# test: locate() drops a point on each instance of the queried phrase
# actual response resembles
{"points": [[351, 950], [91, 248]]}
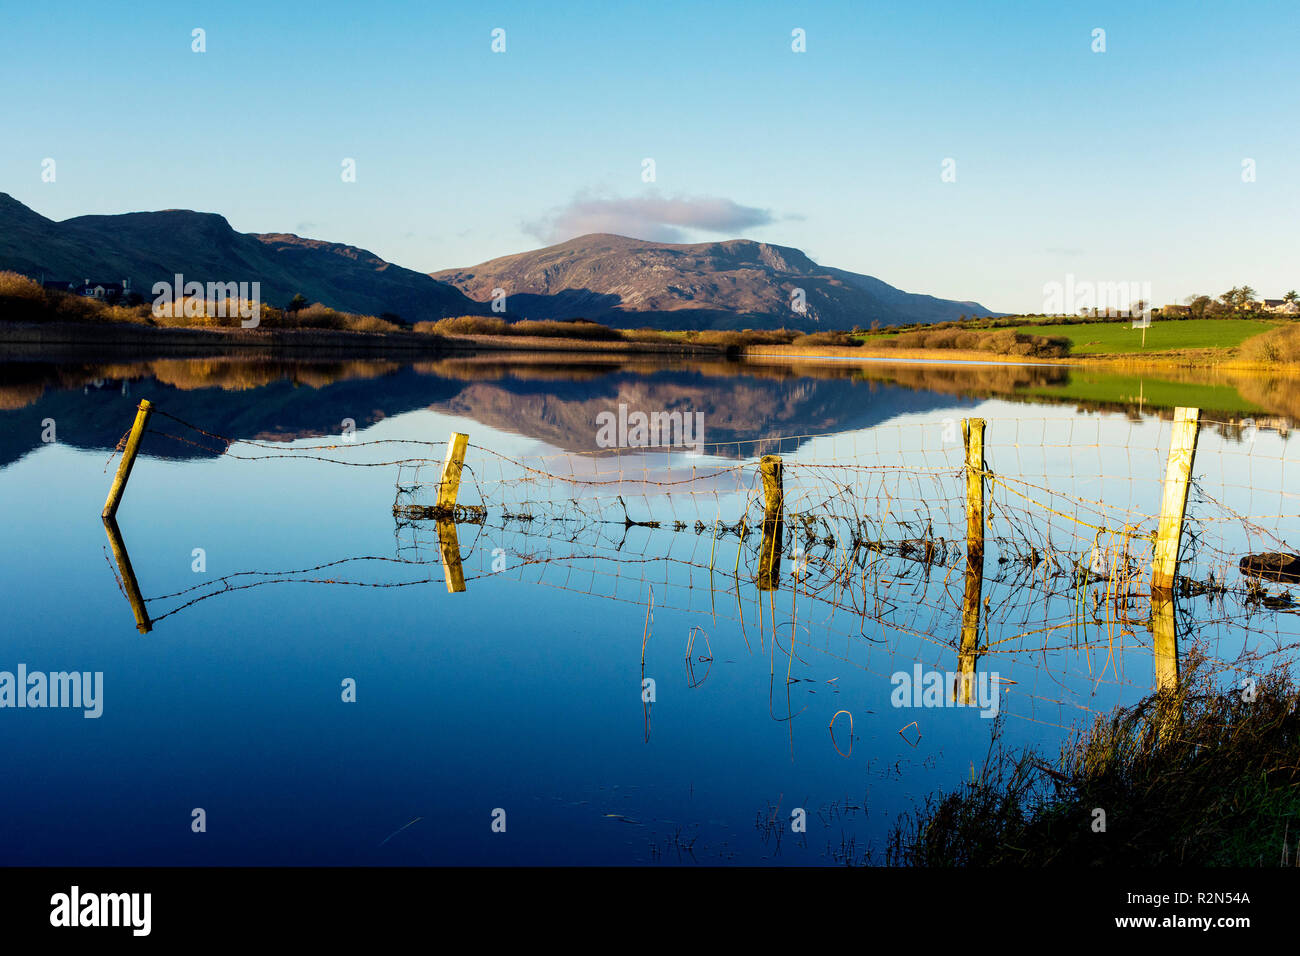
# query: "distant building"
{"points": [[1281, 306], [1174, 310], [106, 291]]}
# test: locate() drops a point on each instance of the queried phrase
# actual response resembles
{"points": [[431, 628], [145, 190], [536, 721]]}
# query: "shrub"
{"points": [[464, 325], [491, 325], [650, 335], [23, 300], [1274, 347], [833, 339], [999, 341], [15, 286], [570, 329], [738, 339]]}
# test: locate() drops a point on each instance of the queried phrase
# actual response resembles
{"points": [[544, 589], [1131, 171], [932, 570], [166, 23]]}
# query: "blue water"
{"points": [[524, 692]]}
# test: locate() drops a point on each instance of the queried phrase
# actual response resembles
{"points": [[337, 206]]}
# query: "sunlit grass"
{"points": [[1120, 338]]}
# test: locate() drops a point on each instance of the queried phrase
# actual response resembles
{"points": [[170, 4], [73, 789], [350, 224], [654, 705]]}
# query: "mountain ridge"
{"points": [[617, 280], [148, 247], [730, 283]]}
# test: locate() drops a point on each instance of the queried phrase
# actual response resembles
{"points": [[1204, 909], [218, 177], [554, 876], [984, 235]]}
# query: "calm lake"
{"points": [[612, 685]]}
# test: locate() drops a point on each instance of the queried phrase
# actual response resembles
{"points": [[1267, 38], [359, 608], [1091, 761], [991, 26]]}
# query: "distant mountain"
{"points": [[734, 284], [148, 247], [611, 279]]}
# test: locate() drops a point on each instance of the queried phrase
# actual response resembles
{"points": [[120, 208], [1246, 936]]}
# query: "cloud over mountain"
{"points": [[654, 218]]}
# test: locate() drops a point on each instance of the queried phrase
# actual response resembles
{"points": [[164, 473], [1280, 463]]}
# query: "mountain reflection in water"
{"points": [[557, 402]]}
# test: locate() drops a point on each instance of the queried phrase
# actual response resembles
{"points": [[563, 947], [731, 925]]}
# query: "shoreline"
{"points": [[1210, 359], [66, 341]]}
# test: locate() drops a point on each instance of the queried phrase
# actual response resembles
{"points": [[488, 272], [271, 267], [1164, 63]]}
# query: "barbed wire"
{"points": [[871, 545]]}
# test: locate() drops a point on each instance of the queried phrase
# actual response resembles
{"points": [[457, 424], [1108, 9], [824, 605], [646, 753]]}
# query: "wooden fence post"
{"points": [[445, 509], [449, 546], [769, 556], [449, 485], [1182, 453], [128, 459], [972, 431], [129, 583], [1165, 654], [968, 650]]}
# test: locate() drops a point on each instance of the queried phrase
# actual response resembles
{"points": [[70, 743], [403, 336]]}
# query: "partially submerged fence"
{"points": [[887, 541]]}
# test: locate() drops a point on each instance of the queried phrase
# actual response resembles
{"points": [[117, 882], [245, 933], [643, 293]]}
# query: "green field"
{"points": [[1104, 387], [1109, 338]]}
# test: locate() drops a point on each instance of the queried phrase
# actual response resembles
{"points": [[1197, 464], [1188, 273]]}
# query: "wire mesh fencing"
{"points": [[867, 558]]}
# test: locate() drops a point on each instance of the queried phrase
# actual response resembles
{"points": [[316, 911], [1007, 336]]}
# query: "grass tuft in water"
{"points": [[1205, 777]]}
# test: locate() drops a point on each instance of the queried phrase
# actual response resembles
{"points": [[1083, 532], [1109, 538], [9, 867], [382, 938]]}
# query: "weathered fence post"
{"points": [[968, 651], [769, 558], [1165, 655], [1182, 453], [128, 459], [449, 484], [129, 583], [449, 546], [448, 490], [972, 430]]}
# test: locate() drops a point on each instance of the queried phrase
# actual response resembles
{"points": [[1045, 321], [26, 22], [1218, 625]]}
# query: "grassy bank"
{"points": [[71, 341], [1240, 341], [1120, 338], [1220, 788], [1228, 342], [1010, 343], [485, 327]]}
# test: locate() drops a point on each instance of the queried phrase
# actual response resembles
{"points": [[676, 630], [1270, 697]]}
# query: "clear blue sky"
{"points": [[1116, 166]]}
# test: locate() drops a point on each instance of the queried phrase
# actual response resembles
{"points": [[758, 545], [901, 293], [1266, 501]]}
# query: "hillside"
{"points": [[615, 280], [148, 247], [734, 284]]}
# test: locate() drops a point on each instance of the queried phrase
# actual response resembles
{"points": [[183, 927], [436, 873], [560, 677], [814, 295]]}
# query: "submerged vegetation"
{"points": [[1206, 776]]}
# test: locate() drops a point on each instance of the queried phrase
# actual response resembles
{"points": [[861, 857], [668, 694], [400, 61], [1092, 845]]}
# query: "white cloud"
{"points": [[655, 218]]}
